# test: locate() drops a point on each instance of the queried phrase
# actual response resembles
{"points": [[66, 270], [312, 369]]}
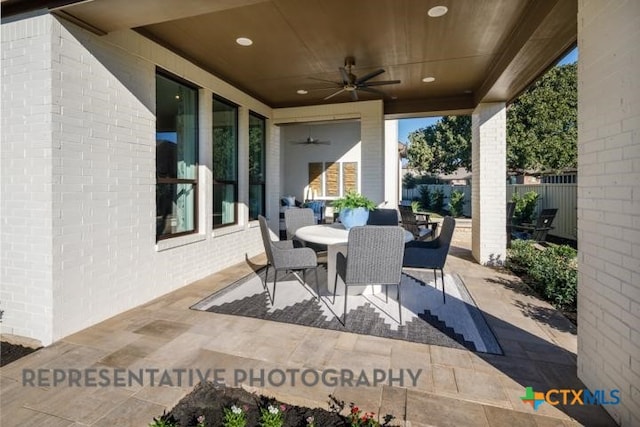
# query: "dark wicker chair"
{"points": [[419, 228], [281, 255], [538, 231], [432, 254], [374, 257], [381, 216]]}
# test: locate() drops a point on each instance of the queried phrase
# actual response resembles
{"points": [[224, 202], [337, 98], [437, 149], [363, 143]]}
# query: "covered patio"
{"points": [[98, 94]]}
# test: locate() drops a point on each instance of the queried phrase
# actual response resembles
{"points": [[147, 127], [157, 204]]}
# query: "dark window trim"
{"points": [[263, 183], [194, 182], [235, 183]]}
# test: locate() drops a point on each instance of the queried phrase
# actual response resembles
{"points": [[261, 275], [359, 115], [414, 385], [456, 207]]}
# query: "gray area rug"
{"points": [[456, 323]]}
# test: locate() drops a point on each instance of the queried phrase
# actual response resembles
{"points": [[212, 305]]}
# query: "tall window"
{"points": [[257, 174], [176, 157], [225, 162]]}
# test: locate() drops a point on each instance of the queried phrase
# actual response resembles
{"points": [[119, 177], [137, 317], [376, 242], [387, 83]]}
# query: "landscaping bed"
{"points": [[215, 405], [11, 352]]}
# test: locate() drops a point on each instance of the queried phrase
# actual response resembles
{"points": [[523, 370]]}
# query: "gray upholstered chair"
{"points": [[380, 216], [374, 257], [432, 254], [281, 255], [296, 218]]}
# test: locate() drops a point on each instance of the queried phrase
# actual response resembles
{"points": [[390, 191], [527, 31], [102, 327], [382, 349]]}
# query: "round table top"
{"points": [[331, 234]]}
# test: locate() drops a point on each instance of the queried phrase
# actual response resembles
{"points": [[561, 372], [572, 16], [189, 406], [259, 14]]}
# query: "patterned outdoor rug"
{"points": [[426, 319]]}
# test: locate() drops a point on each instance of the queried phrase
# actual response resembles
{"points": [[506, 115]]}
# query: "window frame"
{"points": [[263, 183], [237, 149], [194, 182]]}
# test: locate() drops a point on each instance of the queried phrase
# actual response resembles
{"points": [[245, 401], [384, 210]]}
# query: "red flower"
{"points": [[355, 410]]}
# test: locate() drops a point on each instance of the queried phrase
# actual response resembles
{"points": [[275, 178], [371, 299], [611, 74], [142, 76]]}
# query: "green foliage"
{"points": [[409, 181], [552, 272], [437, 201], [542, 127], [164, 420], [442, 147], [542, 130], [416, 206], [456, 203], [234, 417], [525, 206], [353, 200], [425, 198], [272, 416]]}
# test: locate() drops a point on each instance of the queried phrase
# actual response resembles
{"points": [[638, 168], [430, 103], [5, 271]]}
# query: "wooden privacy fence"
{"points": [[564, 197]]}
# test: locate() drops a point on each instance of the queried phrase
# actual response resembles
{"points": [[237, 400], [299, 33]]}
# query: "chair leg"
{"points": [[399, 304], [344, 316], [317, 284], [275, 279], [266, 274], [435, 278], [335, 288], [444, 294], [386, 294]]}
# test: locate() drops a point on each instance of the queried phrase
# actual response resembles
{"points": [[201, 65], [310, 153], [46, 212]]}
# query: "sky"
{"points": [[406, 126]]}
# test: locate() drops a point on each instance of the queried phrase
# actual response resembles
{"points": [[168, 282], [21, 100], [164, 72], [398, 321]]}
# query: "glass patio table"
{"points": [[336, 237]]}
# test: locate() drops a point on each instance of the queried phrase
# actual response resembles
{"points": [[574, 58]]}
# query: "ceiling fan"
{"points": [[352, 84], [311, 141]]}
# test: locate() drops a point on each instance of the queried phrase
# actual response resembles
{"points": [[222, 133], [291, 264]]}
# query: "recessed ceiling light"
{"points": [[429, 79], [437, 11], [244, 41], [301, 92]]}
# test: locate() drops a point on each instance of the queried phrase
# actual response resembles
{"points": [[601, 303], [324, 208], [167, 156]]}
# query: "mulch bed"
{"points": [[209, 400], [12, 352]]}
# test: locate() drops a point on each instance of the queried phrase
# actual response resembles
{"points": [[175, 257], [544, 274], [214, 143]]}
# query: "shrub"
{"points": [[552, 272], [456, 203], [425, 197], [525, 206], [437, 201], [409, 181]]}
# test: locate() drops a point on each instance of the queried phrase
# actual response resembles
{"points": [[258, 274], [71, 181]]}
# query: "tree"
{"points": [[542, 126], [442, 147], [541, 130]]}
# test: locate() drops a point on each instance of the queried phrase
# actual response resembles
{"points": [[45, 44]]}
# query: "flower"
{"points": [[235, 409]]}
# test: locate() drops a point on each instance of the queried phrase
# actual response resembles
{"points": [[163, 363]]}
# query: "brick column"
{"points": [[488, 191]]}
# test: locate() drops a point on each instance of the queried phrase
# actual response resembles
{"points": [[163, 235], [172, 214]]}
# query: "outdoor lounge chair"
{"points": [[419, 228], [432, 254], [538, 231], [374, 257], [281, 255]]}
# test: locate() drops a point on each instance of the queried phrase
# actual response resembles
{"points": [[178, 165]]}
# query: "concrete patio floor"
{"points": [[456, 387]]}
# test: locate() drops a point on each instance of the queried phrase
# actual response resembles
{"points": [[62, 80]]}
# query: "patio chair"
{"points": [[281, 255], [432, 254], [538, 231], [380, 216], [296, 218], [419, 228], [374, 257]]}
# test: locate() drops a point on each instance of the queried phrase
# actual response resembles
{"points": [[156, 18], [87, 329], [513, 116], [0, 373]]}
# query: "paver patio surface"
{"points": [[455, 387]]}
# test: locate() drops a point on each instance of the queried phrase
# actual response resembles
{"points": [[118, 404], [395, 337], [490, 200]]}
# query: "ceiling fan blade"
{"points": [[372, 90], [354, 95], [369, 76], [345, 75], [334, 94], [381, 83], [325, 81]]}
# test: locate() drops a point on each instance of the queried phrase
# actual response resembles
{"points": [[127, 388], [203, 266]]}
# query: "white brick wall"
{"points": [[26, 178], [78, 179], [609, 202], [488, 184]]}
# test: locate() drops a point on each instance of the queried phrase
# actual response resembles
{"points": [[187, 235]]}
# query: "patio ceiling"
{"points": [[480, 51]]}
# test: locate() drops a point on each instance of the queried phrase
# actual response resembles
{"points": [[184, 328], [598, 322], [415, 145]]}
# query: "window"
{"points": [[225, 163], [257, 175], [176, 157], [332, 179]]}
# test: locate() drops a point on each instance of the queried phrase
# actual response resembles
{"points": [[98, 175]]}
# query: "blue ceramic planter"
{"points": [[354, 217]]}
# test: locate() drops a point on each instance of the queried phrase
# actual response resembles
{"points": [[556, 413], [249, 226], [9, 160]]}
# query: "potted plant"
{"points": [[354, 209]]}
